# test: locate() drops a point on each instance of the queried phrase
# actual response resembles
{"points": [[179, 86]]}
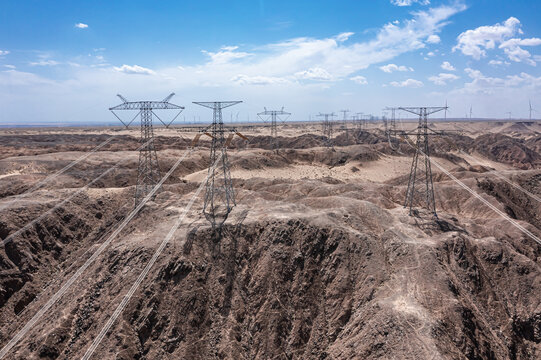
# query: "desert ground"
{"points": [[319, 259]]}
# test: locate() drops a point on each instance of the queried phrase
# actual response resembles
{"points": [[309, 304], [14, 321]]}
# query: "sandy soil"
{"points": [[319, 258]]}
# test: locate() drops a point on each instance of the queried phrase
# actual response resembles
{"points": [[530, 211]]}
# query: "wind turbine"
{"points": [[532, 110], [471, 110]]}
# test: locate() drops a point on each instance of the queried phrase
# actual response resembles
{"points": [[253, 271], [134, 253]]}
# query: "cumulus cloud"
{"points": [[4, 52], [361, 80], [134, 69], [433, 39], [514, 52], [475, 42], [294, 58], [258, 80], [409, 2], [287, 62], [442, 78], [498, 63], [81, 26], [389, 68], [226, 54], [344, 36], [409, 83], [489, 85], [446, 65]]}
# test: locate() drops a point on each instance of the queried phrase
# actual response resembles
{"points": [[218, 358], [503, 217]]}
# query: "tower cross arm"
{"points": [[216, 104], [419, 110], [154, 105]]}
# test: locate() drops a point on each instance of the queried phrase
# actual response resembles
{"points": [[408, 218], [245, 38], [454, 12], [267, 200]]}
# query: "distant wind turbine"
{"points": [[532, 110]]}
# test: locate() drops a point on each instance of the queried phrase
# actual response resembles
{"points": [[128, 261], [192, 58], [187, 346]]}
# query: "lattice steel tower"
{"points": [[148, 173], [345, 122], [274, 115], [219, 192], [327, 127], [420, 185]]}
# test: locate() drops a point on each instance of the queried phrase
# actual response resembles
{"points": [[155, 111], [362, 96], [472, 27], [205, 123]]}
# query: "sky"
{"points": [[63, 62]]}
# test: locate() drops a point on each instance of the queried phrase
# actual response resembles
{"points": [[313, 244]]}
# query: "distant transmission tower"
{"points": [[420, 185], [274, 115], [219, 193], [148, 173], [327, 127], [345, 122], [390, 128]]}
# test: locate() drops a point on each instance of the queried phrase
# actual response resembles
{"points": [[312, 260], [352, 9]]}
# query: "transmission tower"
{"points": [[345, 122], [219, 192], [390, 128], [274, 115], [327, 127], [420, 185], [148, 173]]}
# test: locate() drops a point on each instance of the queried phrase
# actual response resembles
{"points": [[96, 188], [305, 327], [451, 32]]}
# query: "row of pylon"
{"points": [[219, 192]]}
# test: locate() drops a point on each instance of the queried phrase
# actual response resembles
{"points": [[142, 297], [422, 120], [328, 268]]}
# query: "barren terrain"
{"points": [[318, 260]]}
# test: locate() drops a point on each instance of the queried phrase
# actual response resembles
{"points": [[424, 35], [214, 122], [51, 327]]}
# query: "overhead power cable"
{"points": [[43, 310], [58, 173], [48, 212], [147, 268]]}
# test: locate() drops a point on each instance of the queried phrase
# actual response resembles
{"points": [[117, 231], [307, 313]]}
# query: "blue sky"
{"points": [[64, 61]]}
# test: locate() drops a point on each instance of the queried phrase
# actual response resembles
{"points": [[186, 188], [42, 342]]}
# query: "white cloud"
{"points": [[443, 78], [344, 36], [431, 54], [316, 73], [44, 62], [433, 39], [489, 85], [81, 26], [389, 68], [258, 80], [361, 80], [4, 52], [446, 65], [226, 54], [514, 52], [409, 2], [498, 63], [10, 66], [410, 83], [277, 66], [134, 69], [475, 42]]}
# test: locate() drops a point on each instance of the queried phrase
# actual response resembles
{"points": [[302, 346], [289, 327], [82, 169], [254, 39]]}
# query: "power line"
{"points": [[146, 269], [80, 190], [30, 324], [58, 173]]}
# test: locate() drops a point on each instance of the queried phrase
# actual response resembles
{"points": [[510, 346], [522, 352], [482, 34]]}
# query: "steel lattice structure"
{"points": [[421, 178], [148, 173], [345, 122], [274, 115], [327, 127], [390, 128], [219, 192]]}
